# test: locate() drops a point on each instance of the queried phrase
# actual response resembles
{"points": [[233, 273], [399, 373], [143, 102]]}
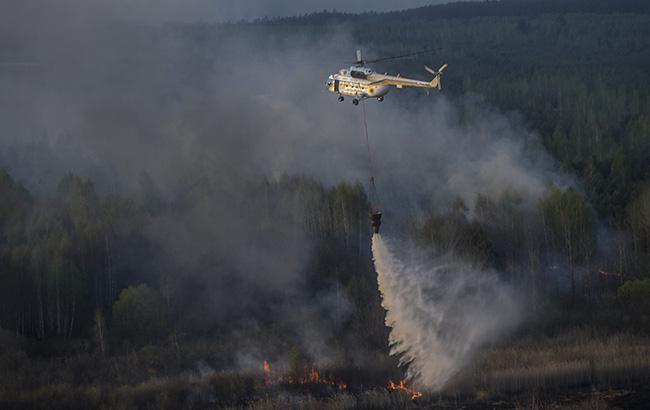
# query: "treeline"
{"points": [[474, 9], [548, 250], [502, 8], [57, 257], [81, 264], [554, 251]]}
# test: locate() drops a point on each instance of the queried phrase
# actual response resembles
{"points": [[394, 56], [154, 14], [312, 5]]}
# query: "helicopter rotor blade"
{"points": [[399, 56]]}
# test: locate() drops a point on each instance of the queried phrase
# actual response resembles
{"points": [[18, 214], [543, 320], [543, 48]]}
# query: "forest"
{"points": [[180, 296]]}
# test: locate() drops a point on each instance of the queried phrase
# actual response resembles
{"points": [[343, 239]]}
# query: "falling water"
{"points": [[439, 313]]}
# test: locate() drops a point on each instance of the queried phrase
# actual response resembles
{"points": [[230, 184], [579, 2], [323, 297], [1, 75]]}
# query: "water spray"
{"points": [[440, 312]]}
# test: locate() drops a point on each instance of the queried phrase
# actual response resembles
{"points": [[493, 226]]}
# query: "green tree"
{"points": [[139, 315], [14, 200], [637, 218], [570, 223], [455, 235], [100, 331], [634, 295]]}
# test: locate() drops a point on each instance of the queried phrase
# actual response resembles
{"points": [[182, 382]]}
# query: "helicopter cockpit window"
{"points": [[357, 74]]}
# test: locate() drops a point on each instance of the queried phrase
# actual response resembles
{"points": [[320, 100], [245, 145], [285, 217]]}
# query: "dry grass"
{"points": [[577, 358], [577, 370], [373, 399]]}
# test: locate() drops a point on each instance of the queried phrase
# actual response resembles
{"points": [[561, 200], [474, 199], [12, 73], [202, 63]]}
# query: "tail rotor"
{"points": [[435, 83]]}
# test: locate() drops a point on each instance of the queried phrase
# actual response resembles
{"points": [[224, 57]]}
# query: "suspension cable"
{"points": [[374, 197]]}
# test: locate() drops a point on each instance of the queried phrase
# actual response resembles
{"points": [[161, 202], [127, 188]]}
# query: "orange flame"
{"points": [[313, 377], [267, 372], [403, 387]]}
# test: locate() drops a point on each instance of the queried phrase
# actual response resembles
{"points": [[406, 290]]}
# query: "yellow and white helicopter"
{"points": [[361, 82]]}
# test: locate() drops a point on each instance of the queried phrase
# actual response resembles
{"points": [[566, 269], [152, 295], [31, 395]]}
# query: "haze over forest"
{"points": [[184, 206]]}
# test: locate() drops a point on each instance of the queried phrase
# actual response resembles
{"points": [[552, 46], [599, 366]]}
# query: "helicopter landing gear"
{"points": [[355, 101], [341, 98], [380, 99]]}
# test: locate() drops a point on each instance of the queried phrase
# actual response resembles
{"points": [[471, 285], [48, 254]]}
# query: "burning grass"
{"points": [[312, 377], [578, 369], [402, 387], [272, 387]]}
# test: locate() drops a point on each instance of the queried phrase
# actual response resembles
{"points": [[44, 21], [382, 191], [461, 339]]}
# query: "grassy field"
{"points": [[576, 358], [578, 369]]}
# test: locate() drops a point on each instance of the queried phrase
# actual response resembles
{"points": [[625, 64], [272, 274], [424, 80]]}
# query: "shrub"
{"points": [[634, 295], [139, 315]]}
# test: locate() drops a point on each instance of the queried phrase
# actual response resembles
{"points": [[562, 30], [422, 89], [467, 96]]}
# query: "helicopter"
{"points": [[361, 82]]}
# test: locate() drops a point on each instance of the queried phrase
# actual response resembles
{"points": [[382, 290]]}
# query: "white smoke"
{"points": [[439, 313]]}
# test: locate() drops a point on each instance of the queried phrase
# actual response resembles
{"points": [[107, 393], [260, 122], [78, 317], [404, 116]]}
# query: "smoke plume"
{"points": [[200, 114], [439, 312]]}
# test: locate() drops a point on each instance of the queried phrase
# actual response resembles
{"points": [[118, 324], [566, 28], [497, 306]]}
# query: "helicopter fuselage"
{"points": [[361, 82], [358, 84]]}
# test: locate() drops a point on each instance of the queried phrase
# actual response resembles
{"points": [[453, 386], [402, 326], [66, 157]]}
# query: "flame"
{"points": [[392, 386], [267, 372], [312, 377]]}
